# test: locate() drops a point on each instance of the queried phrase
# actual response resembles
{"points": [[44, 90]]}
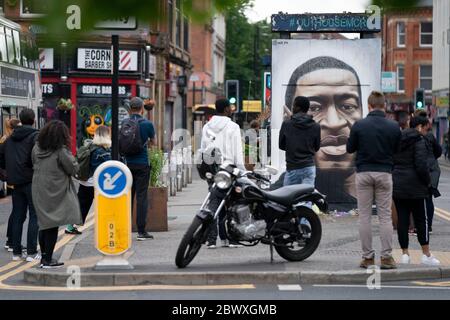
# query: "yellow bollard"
{"points": [[112, 205]]}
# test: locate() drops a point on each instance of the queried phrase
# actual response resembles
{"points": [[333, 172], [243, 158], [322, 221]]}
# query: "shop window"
{"points": [[401, 34], [426, 34], [400, 78], [426, 77]]}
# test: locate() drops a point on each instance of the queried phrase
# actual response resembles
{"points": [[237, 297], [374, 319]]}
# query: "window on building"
{"points": [[178, 18], [32, 7], [426, 76], [400, 78], [401, 34], [186, 34], [171, 20], [426, 34], [17, 51], [10, 45], [2, 5], [25, 51], [3, 48]]}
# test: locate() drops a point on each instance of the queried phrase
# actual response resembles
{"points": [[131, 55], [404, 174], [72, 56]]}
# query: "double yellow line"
{"points": [[442, 213], [16, 267], [12, 265]]}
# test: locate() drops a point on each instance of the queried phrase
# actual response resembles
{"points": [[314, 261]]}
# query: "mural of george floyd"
{"points": [[337, 76]]}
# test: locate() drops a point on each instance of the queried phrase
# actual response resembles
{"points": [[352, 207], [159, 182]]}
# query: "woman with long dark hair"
{"points": [[100, 152], [54, 194], [411, 179]]}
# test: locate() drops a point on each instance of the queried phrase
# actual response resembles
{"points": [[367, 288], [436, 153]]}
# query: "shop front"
{"points": [[87, 82]]}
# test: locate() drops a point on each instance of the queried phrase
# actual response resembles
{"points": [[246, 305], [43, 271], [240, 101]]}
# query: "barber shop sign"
{"points": [[101, 59]]}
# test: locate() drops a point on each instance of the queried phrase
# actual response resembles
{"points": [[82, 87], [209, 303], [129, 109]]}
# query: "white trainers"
{"points": [[211, 246], [430, 261], [405, 259], [36, 257], [18, 257]]}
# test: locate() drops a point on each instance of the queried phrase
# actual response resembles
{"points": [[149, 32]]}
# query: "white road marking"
{"points": [[289, 287]]}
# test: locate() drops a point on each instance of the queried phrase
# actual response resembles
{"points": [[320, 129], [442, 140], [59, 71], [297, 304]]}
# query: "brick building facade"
{"points": [[407, 50]]}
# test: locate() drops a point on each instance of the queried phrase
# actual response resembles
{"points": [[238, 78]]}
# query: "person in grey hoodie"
{"points": [[300, 138], [54, 194]]}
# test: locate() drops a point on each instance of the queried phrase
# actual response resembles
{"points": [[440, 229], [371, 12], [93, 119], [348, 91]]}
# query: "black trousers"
{"points": [[9, 229], [141, 180], [47, 242], [214, 203], [85, 198], [419, 212], [430, 211], [22, 203]]}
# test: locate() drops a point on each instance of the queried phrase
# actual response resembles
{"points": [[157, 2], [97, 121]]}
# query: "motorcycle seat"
{"points": [[287, 195]]}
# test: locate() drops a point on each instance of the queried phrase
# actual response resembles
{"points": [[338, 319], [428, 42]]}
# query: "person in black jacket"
{"points": [[412, 181], [300, 138], [16, 159], [434, 152]]}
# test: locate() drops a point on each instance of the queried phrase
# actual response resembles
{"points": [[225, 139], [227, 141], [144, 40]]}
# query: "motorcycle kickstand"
{"points": [[271, 249]]}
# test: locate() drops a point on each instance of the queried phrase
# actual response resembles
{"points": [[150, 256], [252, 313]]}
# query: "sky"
{"points": [[263, 9]]}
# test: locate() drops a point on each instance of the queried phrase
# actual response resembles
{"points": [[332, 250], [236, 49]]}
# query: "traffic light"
{"points": [[420, 98], [232, 92]]}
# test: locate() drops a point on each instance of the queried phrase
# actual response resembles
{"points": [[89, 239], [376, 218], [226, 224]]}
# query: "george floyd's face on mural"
{"points": [[335, 97]]}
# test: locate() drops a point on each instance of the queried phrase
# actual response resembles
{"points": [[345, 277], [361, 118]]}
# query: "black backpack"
{"points": [[208, 161], [130, 140]]}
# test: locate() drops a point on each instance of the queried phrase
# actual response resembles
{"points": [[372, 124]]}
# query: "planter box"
{"points": [[156, 212]]}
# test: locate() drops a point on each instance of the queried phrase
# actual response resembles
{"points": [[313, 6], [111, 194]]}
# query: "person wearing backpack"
{"points": [[134, 137], [89, 157]]}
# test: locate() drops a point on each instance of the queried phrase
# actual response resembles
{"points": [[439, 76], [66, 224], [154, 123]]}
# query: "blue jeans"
{"points": [[22, 202], [300, 176]]}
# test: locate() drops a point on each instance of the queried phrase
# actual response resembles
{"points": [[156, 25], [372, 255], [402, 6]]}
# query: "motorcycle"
{"points": [[282, 219]]}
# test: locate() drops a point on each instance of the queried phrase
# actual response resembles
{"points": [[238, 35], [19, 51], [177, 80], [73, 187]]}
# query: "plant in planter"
{"points": [[157, 195], [65, 104]]}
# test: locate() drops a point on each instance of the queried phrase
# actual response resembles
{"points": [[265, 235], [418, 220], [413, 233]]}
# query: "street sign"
{"points": [[267, 89], [124, 23], [327, 22], [251, 106], [389, 81], [112, 183]]}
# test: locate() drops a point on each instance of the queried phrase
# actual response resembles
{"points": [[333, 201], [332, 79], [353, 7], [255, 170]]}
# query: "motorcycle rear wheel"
{"points": [[191, 243], [291, 254]]}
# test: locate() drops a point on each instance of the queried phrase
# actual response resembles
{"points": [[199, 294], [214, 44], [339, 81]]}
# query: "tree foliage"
{"points": [[240, 50], [391, 5]]}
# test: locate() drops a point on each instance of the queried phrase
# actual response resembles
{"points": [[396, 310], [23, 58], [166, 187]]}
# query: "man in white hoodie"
{"points": [[226, 136]]}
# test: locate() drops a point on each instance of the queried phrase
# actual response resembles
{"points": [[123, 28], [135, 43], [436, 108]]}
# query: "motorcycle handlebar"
{"points": [[259, 177]]}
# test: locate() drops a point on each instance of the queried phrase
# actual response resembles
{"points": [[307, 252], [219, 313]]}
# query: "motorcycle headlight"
{"points": [[222, 180]]}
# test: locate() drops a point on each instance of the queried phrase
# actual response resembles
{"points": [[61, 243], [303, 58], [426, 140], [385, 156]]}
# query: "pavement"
{"points": [[335, 261]]}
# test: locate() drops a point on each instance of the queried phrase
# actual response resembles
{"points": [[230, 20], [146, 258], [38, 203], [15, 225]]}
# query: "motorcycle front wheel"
{"points": [[300, 248], [191, 242]]}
